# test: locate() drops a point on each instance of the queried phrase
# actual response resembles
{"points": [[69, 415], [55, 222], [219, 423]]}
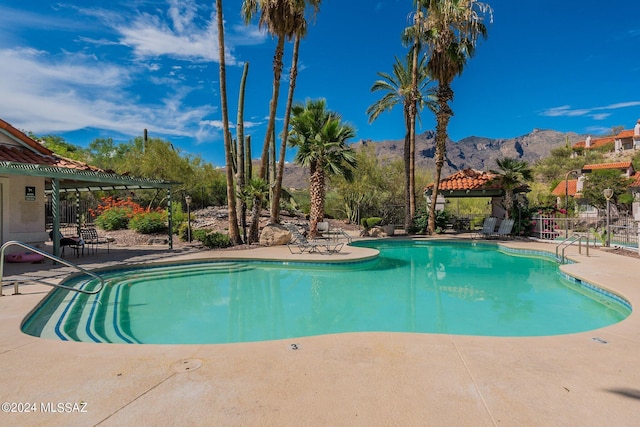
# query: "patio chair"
{"points": [[300, 244], [488, 227], [91, 238], [505, 229], [75, 243]]}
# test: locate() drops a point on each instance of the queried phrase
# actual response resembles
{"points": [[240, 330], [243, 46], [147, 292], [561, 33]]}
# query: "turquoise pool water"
{"points": [[435, 287]]}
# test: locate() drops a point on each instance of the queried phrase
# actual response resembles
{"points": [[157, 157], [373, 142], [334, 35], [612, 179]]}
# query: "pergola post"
{"points": [[55, 211], [170, 218]]}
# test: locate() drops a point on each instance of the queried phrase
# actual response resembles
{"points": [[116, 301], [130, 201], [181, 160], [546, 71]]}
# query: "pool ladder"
{"points": [[568, 242], [51, 257]]}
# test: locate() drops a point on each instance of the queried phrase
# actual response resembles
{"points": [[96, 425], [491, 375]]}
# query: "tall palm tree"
{"points": [[234, 231], [301, 31], [412, 36], [320, 137], [512, 174], [451, 29], [399, 89], [283, 19]]}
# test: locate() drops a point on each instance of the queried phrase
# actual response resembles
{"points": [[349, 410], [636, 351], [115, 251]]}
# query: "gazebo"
{"points": [[473, 183]]}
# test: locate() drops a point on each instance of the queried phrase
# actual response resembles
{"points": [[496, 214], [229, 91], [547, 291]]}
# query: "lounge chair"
{"points": [[299, 243], [488, 227], [332, 237], [505, 229], [91, 238]]}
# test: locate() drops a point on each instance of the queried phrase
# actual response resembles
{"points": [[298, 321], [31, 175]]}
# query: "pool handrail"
{"points": [[16, 291], [568, 242]]}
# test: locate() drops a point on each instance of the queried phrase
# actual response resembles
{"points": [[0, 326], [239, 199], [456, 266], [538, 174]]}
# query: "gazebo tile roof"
{"points": [[468, 179]]}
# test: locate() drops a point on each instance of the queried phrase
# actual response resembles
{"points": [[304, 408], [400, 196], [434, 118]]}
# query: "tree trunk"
{"points": [[234, 232], [406, 157], [445, 94], [413, 112], [293, 75], [316, 194], [273, 107]]}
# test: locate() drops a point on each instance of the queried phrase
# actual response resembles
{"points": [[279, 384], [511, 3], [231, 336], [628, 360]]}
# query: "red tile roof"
{"points": [[572, 188], [12, 153], [625, 134], [617, 165], [23, 138], [595, 142], [32, 152], [636, 180], [468, 179]]}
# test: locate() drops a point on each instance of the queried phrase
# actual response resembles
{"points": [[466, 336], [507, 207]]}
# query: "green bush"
{"points": [[216, 240], [183, 234], [148, 222], [369, 223], [421, 222], [116, 218]]}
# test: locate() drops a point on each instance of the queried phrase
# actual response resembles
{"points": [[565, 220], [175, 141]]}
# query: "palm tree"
{"points": [[451, 29], [512, 174], [234, 231], [284, 19], [300, 30], [320, 137], [399, 90]]}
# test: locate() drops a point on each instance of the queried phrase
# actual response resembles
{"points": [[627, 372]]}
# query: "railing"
{"points": [[568, 242], [624, 229], [51, 257]]}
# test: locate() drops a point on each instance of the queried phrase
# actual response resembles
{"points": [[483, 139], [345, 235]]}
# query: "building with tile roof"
{"points": [[573, 187], [30, 173], [628, 139]]}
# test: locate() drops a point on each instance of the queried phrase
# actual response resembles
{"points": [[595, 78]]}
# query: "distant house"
{"points": [[626, 168], [628, 139], [31, 173], [573, 187]]}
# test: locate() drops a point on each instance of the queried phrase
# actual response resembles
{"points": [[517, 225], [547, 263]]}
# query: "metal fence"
{"points": [[623, 228], [72, 213]]}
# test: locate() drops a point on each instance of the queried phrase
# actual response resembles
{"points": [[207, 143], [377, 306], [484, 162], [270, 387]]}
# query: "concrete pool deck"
{"points": [[381, 379]]}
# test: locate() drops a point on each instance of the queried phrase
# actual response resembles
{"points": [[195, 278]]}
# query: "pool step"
{"points": [[98, 319]]}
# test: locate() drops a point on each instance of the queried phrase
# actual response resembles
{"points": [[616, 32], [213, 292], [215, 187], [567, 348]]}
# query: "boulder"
{"points": [[274, 235], [381, 231]]}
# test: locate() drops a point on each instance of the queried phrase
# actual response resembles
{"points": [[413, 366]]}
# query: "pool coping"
{"points": [[588, 378]]}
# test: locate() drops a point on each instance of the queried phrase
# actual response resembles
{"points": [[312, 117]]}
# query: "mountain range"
{"points": [[471, 152]]}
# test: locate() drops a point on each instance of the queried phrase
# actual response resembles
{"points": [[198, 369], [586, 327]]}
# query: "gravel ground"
{"points": [[212, 218]]}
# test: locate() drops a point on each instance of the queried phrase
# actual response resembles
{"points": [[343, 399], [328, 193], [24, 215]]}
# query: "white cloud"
{"points": [[567, 111], [71, 92]]}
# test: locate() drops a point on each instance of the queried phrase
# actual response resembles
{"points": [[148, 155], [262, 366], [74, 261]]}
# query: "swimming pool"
{"points": [[412, 286]]}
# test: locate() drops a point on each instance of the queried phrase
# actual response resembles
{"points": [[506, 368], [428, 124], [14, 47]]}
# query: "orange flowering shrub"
{"points": [[114, 213]]}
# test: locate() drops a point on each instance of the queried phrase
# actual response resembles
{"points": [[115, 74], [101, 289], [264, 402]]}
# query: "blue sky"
{"points": [[87, 69]]}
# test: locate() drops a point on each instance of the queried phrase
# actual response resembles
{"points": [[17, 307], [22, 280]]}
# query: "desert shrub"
{"points": [[371, 222], [216, 240], [113, 213], [211, 239], [421, 222], [116, 218], [148, 222]]}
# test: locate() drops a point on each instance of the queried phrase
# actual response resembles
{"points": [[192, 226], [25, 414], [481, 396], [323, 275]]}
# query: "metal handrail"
{"points": [[568, 242], [51, 257]]}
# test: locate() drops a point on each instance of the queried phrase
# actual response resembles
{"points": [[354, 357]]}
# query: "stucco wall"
{"points": [[23, 219]]}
